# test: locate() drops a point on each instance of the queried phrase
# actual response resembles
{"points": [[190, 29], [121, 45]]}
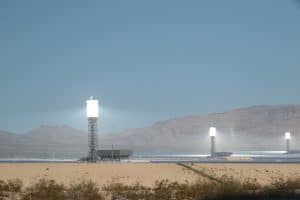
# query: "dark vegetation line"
{"points": [[200, 172], [227, 188]]}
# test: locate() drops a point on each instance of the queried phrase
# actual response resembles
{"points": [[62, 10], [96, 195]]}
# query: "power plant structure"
{"points": [[114, 154], [212, 134], [95, 153], [213, 153], [92, 111], [288, 138]]}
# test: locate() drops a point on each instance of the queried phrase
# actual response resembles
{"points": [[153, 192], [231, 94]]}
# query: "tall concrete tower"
{"points": [[212, 134], [92, 111], [288, 138]]}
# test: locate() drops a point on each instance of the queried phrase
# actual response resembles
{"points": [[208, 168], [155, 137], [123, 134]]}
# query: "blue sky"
{"points": [[145, 60]]}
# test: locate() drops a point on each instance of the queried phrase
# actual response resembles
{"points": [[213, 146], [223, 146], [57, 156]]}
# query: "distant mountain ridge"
{"points": [[252, 128], [44, 142]]}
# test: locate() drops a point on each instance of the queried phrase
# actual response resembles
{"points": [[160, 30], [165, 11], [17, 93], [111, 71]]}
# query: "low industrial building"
{"points": [[114, 154]]}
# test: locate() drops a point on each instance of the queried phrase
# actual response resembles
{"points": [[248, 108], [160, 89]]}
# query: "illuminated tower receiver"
{"points": [[212, 134], [92, 111]]}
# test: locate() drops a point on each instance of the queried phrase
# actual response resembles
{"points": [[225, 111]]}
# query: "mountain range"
{"points": [[244, 129]]}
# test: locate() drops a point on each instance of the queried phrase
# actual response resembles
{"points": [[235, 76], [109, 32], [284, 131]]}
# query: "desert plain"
{"points": [[144, 173]]}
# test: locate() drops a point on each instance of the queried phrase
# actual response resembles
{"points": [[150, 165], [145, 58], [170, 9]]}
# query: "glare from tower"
{"points": [[212, 132], [92, 108], [287, 135], [92, 111]]}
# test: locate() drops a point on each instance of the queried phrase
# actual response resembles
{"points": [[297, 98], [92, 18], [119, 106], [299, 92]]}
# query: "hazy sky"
{"points": [[145, 60]]}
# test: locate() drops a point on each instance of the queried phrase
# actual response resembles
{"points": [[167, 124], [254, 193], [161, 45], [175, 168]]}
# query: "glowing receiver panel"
{"points": [[92, 108], [212, 131], [287, 135]]}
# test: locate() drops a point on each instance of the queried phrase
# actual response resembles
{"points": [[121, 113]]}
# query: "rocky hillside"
{"points": [[44, 142], [253, 128]]}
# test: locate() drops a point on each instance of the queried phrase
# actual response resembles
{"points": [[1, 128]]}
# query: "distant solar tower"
{"points": [[212, 134], [287, 138], [92, 111]]}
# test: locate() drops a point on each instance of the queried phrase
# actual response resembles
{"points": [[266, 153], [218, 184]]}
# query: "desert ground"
{"points": [[145, 173]]}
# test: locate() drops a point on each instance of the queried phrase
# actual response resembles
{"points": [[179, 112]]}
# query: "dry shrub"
{"points": [[45, 189], [4, 189], [284, 188], [15, 188], [85, 190], [230, 188], [164, 190], [225, 188], [11, 189], [132, 192]]}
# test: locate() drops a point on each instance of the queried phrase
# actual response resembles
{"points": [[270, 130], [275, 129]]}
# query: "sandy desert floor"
{"points": [[145, 173], [263, 173]]}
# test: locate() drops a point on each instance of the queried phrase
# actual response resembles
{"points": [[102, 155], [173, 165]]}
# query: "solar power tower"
{"points": [[92, 111]]}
